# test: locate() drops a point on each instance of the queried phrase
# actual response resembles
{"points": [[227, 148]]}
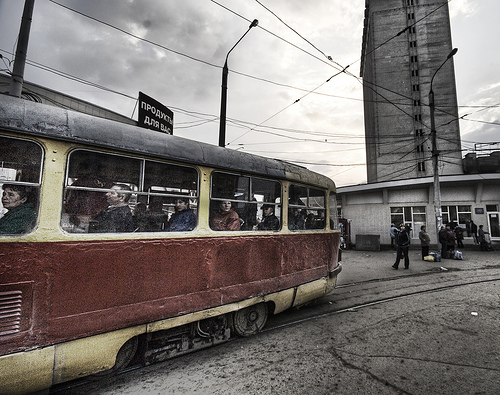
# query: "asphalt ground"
{"points": [[436, 331], [360, 266]]}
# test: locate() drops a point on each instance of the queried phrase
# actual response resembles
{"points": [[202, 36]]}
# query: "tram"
{"points": [[118, 242]]}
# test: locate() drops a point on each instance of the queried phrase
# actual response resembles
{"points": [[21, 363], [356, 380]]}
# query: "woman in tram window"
{"points": [[225, 218], [21, 217]]}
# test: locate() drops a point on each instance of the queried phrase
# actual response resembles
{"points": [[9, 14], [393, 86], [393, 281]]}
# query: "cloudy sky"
{"points": [[287, 96]]}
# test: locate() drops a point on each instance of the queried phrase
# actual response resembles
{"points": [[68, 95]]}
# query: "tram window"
{"points": [[150, 190], [90, 178], [20, 175], [171, 199], [306, 208], [242, 198]]}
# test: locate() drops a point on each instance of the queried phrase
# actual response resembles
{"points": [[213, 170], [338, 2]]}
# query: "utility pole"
{"points": [[435, 156], [16, 85]]}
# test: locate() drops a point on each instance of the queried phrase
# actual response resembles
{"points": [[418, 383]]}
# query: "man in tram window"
{"points": [[184, 218], [21, 215], [296, 219], [117, 217], [269, 221]]}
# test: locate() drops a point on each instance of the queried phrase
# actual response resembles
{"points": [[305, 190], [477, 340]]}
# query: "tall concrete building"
{"points": [[404, 44]]}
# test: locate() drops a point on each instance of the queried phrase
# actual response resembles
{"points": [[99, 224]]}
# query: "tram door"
{"points": [[494, 225]]}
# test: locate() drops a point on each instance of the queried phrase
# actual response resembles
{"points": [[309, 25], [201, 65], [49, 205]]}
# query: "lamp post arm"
{"points": [[223, 100]]}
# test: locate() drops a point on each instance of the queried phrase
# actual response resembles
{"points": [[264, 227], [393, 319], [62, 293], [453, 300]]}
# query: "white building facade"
{"points": [[371, 208]]}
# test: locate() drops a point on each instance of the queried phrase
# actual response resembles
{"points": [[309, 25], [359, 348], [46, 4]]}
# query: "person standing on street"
{"points": [[425, 241], [473, 231], [443, 239], [403, 247]]}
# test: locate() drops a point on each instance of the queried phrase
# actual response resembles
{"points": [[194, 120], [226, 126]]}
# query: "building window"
{"points": [[492, 208], [461, 215], [418, 117], [413, 59], [421, 165], [411, 16], [419, 132], [416, 103], [412, 217], [413, 44], [414, 73], [416, 88]]}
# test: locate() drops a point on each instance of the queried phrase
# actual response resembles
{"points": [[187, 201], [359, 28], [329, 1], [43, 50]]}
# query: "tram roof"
{"points": [[42, 120]]}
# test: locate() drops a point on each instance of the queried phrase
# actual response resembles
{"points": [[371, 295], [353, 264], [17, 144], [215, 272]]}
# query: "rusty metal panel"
{"points": [[85, 288]]}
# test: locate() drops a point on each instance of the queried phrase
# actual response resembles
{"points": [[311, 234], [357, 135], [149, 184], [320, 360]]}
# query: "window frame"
{"points": [[248, 225], [307, 207], [35, 184], [138, 191]]}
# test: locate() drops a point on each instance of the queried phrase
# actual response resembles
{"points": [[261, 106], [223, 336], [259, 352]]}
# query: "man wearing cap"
{"points": [[269, 221]]}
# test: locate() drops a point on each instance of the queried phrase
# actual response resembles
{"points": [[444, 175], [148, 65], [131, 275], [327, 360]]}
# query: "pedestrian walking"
{"points": [[403, 240], [425, 241]]}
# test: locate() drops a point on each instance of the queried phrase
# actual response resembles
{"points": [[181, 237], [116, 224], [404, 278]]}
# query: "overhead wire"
{"points": [[208, 63]]}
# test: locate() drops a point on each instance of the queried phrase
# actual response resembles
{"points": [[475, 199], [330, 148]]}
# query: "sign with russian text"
{"points": [[154, 115]]}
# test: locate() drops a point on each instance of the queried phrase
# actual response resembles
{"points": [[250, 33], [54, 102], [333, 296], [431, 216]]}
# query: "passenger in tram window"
{"points": [[21, 217], [310, 221], [117, 217], [184, 218], [156, 219], [140, 217], [225, 218], [83, 205], [315, 221], [296, 220], [249, 215], [269, 221]]}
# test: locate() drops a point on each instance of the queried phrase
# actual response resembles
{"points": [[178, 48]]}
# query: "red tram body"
{"points": [[71, 301]]}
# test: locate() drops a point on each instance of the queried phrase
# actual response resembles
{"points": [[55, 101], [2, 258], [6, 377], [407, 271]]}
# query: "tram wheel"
{"points": [[250, 320], [123, 358]]}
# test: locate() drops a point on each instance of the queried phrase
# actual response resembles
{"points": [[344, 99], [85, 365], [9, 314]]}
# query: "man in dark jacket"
{"points": [[117, 217], [443, 240], [269, 220], [403, 247], [425, 241]]}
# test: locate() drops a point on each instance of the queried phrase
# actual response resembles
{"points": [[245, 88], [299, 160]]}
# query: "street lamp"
{"points": [[435, 153], [223, 100]]}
